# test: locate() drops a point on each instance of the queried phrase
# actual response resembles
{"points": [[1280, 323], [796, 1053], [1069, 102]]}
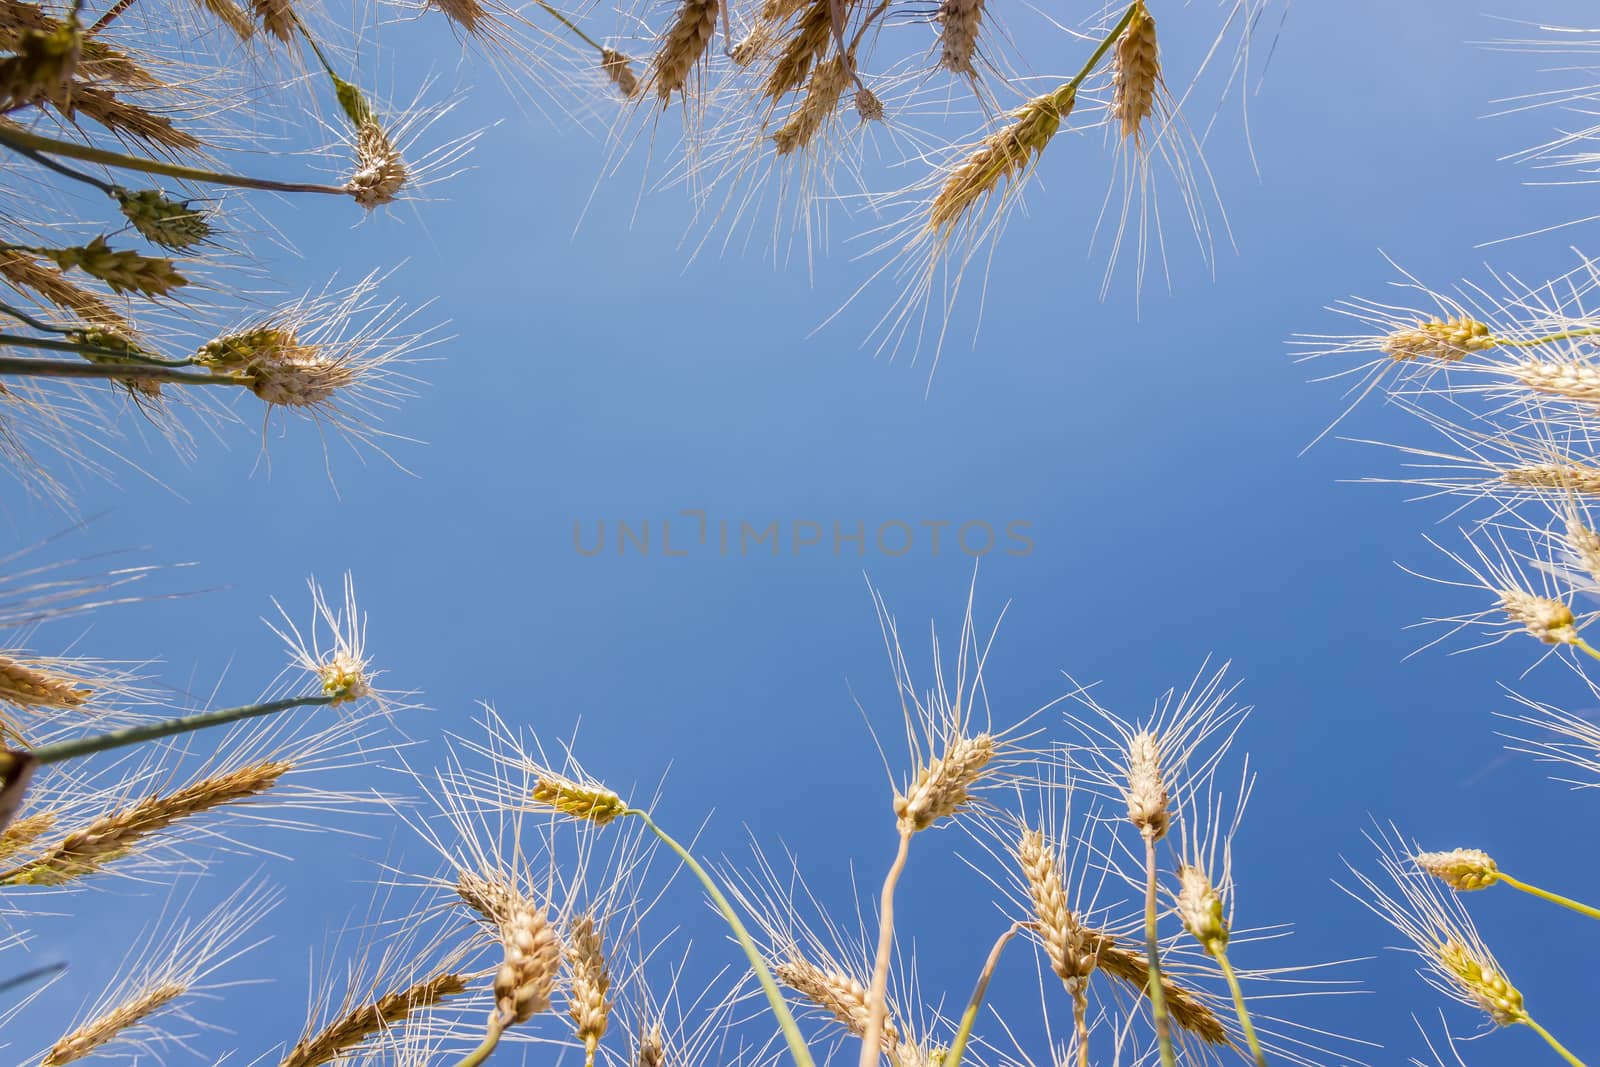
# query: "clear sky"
{"points": [[593, 376]]}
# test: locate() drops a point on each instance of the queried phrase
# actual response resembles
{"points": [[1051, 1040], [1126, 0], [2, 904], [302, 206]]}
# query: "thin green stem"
{"points": [[1066, 93], [300, 25], [78, 747], [1564, 335], [57, 368], [878, 989], [70, 172], [1545, 894], [958, 1047], [109, 17], [791, 1030], [1152, 949], [1238, 1006], [351, 102], [80, 347], [569, 24], [1105, 46], [28, 320], [19, 140], [1584, 646], [1553, 1043], [491, 1040]]}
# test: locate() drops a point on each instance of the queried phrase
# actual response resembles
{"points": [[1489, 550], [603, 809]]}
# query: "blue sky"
{"points": [[592, 376]]}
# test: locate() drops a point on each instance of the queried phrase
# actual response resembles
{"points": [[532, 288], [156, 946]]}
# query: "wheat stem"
{"points": [[1080, 1022], [1239, 1008], [19, 140], [56, 368], [66, 171], [968, 1017], [28, 320], [878, 989], [791, 1030], [1104, 47], [569, 24], [109, 17], [1545, 894], [1564, 335], [133, 735], [1553, 1043], [1152, 948], [80, 347], [491, 1041], [1582, 645]]}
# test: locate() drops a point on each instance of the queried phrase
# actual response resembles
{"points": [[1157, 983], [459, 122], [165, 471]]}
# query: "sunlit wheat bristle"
{"points": [[348, 1032], [683, 46], [999, 159], [1464, 869], [944, 785], [87, 1038], [1448, 340], [1135, 74]]}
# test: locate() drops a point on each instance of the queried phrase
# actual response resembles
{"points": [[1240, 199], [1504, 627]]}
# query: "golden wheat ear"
{"points": [[164, 976]]}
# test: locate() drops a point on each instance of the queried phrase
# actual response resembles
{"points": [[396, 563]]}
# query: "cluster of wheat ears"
{"points": [[131, 145]]}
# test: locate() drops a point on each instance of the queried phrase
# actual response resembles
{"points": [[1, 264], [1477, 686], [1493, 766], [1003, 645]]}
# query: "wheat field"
{"points": [[742, 532]]}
